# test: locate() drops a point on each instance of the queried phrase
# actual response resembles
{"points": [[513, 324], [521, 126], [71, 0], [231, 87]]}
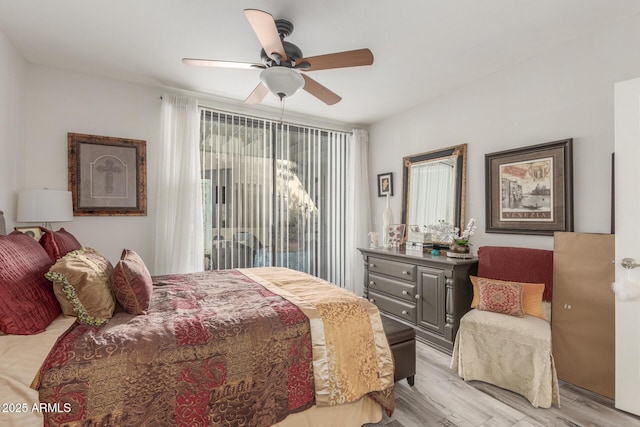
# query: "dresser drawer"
{"points": [[392, 268], [392, 306], [397, 288]]}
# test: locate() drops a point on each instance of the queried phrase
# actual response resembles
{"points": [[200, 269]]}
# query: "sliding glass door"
{"points": [[273, 195], [237, 186]]}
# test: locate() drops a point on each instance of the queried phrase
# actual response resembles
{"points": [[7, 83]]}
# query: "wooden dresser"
{"points": [[430, 293]]}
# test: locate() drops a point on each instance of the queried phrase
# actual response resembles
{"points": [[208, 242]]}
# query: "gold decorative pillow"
{"points": [[503, 298], [81, 283], [531, 295]]}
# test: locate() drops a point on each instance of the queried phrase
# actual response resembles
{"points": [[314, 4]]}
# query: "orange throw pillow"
{"points": [[531, 295]]}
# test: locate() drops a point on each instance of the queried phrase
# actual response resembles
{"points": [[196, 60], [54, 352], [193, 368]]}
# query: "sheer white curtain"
{"points": [[357, 209], [436, 181], [179, 224]]}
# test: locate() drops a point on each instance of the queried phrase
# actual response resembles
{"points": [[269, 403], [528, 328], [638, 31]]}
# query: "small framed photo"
{"points": [[385, 184], [530, 189], [413, 233], [34, 232], [396, 234], [414, 228]]}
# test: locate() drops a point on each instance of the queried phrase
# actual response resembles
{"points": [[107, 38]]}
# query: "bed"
{"points": [[258, 346]]}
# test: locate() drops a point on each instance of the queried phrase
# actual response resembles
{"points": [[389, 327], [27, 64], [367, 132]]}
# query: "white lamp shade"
{"points": [[282, 81], [45, 206]]}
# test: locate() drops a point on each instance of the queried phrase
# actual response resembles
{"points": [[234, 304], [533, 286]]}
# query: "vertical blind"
{"points": [[274, 194]]}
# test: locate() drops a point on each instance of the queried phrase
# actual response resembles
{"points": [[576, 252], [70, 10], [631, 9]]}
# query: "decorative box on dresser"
{"points": [[430, 293]]}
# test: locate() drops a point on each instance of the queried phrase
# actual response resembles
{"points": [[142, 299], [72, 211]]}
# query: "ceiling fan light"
{"points": [[281, 81]]}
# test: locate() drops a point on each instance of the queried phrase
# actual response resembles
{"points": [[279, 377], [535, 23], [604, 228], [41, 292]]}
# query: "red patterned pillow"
{"points": [[531, 295], [27, 302], [131, 282], [58, 243], [501, 297]]}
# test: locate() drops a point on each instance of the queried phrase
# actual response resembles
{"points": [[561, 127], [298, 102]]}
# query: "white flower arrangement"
{"points": [[463, 239]]}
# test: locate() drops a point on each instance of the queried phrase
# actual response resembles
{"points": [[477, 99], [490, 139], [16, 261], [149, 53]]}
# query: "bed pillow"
{"points": [[82, 284], [531, 295], [505, 298], [58, 243], [27, 302], [131, 282]]}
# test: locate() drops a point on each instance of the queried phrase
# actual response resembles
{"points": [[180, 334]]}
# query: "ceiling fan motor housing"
{"points": [[285, 28], [293, 52]]}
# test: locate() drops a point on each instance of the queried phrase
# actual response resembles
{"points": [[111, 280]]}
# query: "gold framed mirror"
{"points": [[433, 187]]}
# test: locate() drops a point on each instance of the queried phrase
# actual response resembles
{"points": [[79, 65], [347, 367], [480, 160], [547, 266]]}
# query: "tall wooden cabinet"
{"points": [[583, 310], [430, 293]]}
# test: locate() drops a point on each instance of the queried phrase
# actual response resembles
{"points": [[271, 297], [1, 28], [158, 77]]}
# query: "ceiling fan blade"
{"points": [[319, 91], [265, 28], [223, 64], [351, 58], [257, 95]]}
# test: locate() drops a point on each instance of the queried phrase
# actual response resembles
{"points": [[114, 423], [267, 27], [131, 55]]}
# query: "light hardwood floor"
{"points": [[441, 398]]}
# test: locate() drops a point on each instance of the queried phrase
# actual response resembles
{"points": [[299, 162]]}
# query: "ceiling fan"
{"points": [[282, 61]]}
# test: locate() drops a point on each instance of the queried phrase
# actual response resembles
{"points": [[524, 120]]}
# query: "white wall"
{"points": [[12, 70], [567, 93], [58, 102]]}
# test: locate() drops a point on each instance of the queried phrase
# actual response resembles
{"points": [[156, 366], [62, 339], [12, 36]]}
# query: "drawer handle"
{"points": [[372, 283], [406, 273], [404, 312], [417, 296], [405, 293], [372, 300], [372, 265]]}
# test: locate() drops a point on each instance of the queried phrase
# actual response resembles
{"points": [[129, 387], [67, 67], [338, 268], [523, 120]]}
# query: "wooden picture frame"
{"points": [[107, 175], [385, 184], [32, 231], [529, 190]]}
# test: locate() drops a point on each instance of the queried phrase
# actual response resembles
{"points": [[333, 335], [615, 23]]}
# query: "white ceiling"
{"points": [[422, 48]]}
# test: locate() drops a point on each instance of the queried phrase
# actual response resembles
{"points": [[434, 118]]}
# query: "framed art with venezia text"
{"points": [[107, 175], [529, 190]]}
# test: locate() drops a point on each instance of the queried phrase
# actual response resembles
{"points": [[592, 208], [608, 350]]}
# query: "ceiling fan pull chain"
{"points": [[281, 110]]}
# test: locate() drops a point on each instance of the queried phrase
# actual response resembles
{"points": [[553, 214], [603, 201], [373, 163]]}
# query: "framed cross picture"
{"points": [[107, 176]]}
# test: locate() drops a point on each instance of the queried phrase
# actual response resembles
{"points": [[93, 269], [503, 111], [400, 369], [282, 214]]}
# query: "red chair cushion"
{"points": [[518, 265]]}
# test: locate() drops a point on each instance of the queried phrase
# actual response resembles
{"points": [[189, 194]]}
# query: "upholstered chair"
{"points": [[503, 344]]}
